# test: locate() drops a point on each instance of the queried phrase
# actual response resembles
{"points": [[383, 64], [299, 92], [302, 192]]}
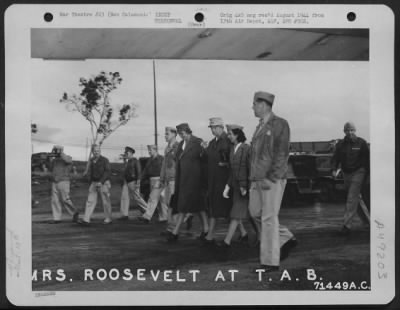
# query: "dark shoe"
{"points": [[223, 245], [202, 236], [54, 222], [344, 231], [268, 268], [189, 222], [123, 218], [287, 247], [171, 238], [83, 223], [75, 217], [244, 239], [143, 220]]}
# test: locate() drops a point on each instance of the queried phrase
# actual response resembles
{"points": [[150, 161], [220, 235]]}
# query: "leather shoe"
{"points": [[171, 238], [54, 222], [143, 220], [83, 223], [244, 239], [75, 217], [202, 236], [287, 247]]}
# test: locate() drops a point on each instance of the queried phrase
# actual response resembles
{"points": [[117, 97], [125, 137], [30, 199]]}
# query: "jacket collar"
{"points": [[266, 126]]}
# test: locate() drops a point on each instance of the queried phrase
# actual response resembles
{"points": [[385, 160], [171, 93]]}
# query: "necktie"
{"points": [[259, 126]]}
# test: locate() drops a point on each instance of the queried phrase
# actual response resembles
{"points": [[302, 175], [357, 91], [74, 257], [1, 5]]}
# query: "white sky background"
{"points": [[316, 97]]}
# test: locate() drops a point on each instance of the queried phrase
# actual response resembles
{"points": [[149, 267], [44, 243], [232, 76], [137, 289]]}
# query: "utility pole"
{"points": [[155, 105]]}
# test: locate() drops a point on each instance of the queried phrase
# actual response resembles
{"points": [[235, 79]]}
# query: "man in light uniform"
{"points": [[131, 186], [268, 167], [152, 171], [167, 177], [99, 177], [60, 172]]}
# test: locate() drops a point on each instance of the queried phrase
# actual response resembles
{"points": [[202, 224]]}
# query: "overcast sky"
{"points": [[316, 97]]}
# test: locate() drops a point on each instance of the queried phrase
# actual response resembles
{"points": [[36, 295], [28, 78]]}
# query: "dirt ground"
{"points": [[115, 254]]}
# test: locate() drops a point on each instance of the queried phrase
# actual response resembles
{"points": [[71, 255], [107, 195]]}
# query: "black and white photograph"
{"points": [[207, 159]]}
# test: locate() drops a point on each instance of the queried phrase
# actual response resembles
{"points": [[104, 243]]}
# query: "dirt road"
{"points": [[114, 255]]}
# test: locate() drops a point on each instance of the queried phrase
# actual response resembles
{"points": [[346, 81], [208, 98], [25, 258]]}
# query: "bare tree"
{"points": [[94, 104]]}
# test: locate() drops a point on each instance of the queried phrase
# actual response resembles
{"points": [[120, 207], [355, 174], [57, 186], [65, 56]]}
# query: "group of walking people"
{"points": [[223, 178]]}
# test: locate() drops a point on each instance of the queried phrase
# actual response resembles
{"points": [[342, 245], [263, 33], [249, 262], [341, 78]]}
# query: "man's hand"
{"points": [[335, 173], [225, 194], [99, 185], [243, 191], [265, 184], [204, 144]]}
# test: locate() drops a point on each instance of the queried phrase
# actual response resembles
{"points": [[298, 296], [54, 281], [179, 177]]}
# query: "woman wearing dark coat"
{"points": [[217, 157], [238, 183], [189, 185]]}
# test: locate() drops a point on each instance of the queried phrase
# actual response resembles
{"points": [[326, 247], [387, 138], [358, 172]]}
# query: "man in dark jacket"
{"points": [[151, 173], [131, 185], [352, 155], [99, 177], [217, 156]]}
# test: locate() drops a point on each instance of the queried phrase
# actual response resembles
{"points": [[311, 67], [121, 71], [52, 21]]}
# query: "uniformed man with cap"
{"points": [[167, 176], [99, 173], [352, 156], [131, 185], [268, 167], [60, 173], [152, 172]]}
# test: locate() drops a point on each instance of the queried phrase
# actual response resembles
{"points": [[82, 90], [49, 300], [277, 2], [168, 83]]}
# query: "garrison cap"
{"points": [[262, 95]]}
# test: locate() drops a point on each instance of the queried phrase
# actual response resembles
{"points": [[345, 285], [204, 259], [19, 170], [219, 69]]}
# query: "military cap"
{"points": [[152, 147], [129, 149], [216, 121], [171, 129], [262, 95]]}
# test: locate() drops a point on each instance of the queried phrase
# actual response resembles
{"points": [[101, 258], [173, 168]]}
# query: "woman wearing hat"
{"points": [[237, 183], [189, 183]]}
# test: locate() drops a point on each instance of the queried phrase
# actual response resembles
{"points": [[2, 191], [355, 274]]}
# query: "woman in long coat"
{"points": [[238, 183], [189, 185], [217, 153]]}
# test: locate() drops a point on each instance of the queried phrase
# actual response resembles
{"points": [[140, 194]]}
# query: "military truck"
{"points": [[310, 173]]}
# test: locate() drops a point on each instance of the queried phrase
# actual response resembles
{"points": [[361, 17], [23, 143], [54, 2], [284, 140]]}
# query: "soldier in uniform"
{"points": [[268, 166], [60, 173], [168, 170], [98, 175], [352, 155], [131, 184], [152, 172]]}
